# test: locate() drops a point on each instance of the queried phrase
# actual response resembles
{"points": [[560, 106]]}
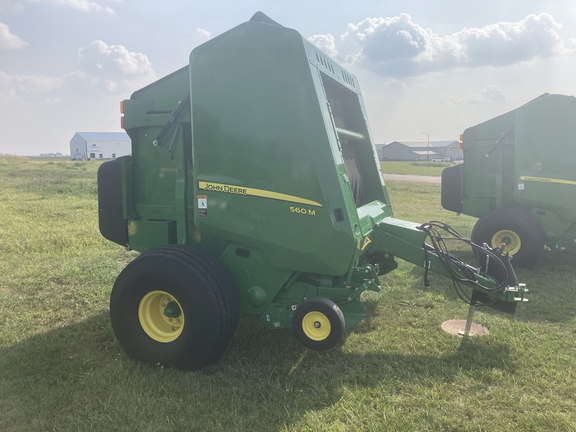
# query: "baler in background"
{"points": [[254, 186], [519, 178]]}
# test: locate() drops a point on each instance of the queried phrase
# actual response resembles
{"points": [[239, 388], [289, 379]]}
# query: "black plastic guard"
{"points": [[110, 203], [451, 198]]}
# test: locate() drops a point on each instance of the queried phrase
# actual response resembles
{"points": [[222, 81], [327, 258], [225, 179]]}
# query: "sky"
{"points": [[424, 66]]}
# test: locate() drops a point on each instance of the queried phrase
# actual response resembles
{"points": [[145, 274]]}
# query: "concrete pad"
{"points": [[454, 326]]}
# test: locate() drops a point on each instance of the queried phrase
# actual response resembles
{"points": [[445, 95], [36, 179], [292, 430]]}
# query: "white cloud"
{"points": [[81, 5], [9, 40], [325, 43], [10, 6], [493, 93], [399, 47], [204, 34], [14, 6], [507, 43], [28, 88], [104, 70], [110, 69], [396, 84], [489, 94]]}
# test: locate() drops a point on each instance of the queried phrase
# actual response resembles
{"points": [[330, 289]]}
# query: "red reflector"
{"points": [[122, 122], [460, 146]]}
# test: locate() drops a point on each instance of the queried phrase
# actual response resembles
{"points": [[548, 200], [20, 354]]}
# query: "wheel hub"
{"points": [[510, 239], [161, 316], [316, 326], [172, 310]]}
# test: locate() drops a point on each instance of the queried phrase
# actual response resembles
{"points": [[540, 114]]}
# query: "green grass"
{"points": [[61, 368], [415, 168]]}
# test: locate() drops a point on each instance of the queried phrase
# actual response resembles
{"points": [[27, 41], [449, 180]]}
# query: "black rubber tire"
{"points": [[330, 311], [524, 226], [205, 291]]}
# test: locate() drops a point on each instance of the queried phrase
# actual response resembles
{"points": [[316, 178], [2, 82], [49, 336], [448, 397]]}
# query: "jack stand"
{"points": [[454, 326], [466, 331]]}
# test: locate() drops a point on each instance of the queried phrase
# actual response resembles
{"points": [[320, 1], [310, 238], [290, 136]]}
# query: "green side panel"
{"points": [[281, 148], [553, 226], [156, 169], [145, 235], [354, 312], [484, 147], [257, 281], [566, 242], [546, 154]]}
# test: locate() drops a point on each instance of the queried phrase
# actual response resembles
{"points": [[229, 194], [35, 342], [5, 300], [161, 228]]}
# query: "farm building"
{"points": [[420, 150], [99, 145]]}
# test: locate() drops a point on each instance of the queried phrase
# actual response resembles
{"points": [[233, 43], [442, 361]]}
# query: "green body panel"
{"points": [[274, 134], [484, 166], [260, 153], [143, 232], [252, 270], [524, 159]]}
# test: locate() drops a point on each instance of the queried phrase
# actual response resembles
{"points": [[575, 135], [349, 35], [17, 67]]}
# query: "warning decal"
{"points": [[202, 206]]}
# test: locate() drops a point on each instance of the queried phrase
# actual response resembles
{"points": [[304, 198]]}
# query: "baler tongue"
{"points": [[504, 273], [493, 281]]}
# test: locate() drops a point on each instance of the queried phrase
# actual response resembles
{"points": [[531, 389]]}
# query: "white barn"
{"points": [[99, 145]]}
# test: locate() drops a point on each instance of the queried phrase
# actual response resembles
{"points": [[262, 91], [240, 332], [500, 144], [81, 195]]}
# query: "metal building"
{"points": [[99, 145], [421, 150]]}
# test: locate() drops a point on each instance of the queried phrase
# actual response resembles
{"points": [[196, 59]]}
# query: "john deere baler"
{"points": [[519, 179], [254, 186]]}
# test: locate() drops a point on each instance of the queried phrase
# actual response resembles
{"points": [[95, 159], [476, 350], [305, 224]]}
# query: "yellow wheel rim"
{"points": [[316, 326], [161, 316], [510, 238]]}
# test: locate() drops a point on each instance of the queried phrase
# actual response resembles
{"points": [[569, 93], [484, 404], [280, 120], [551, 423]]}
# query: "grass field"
{"points": [[61, 368]]}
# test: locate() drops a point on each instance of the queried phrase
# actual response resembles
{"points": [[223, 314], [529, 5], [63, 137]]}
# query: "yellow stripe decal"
{"points": [[547, 180], [241, 190]]}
